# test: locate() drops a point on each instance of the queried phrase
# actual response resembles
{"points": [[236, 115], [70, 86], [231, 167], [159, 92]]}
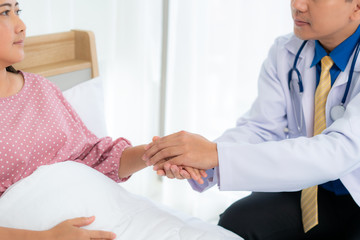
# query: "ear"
{"points": [[355, 16]]}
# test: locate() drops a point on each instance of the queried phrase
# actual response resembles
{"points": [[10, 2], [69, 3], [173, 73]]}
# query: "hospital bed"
{"points": [[66, 58], [66, 190]]}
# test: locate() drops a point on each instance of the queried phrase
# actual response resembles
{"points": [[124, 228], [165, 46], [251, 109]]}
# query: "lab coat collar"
{"points": [[343, 76], [293, 44]]}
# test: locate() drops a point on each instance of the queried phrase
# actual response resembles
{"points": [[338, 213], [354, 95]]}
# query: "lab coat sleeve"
{"points": [[209, 181], [293, 164]]}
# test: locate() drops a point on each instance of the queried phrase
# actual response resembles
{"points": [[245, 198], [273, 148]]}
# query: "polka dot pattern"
{"points": [[39, 127]]}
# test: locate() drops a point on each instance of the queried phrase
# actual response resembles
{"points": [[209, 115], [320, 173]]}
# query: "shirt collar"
{"points": [[341, 54]]}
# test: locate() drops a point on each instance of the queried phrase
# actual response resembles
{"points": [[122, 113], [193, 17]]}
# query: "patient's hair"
{"points": [[11, 69]]}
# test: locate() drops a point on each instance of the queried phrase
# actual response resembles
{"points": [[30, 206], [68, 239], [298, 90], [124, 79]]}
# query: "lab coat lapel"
{"points": [[338, 89], [337, 92], [309, 82], [344, 76], [308, 78]]}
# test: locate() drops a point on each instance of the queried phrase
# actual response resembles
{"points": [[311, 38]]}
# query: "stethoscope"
{"points": [[336, 112]]}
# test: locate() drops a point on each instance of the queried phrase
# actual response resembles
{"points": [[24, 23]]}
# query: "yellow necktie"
{"points": [[309, 205]]}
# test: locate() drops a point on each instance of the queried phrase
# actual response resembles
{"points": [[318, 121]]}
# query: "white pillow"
{"points": [[88, 101], [69, 189]]}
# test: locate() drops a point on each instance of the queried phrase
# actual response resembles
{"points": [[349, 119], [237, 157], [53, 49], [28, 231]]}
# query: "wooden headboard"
{"points": [[66, 58]]}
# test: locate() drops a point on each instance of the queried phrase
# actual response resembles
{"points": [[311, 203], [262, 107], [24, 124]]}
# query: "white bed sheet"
{"points": [[66, 190]]}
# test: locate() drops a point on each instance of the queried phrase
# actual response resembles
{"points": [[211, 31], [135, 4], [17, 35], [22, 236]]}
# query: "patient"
{"points": [[39, 127]]}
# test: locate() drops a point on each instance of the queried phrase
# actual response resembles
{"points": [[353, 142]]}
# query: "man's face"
{"points": [[329, 21]]}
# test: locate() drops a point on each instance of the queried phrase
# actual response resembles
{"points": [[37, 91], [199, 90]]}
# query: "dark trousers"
{"points": [[270, 216]]}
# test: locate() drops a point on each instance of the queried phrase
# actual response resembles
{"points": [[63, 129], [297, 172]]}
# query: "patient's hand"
{"points": [[182, 172], [71, 230]]}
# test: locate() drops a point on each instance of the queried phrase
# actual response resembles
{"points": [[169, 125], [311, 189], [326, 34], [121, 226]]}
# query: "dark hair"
{"points": [[11, 69]]}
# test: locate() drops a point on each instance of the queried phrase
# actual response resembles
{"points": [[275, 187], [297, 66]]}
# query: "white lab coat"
{"points": [[257, 155]]}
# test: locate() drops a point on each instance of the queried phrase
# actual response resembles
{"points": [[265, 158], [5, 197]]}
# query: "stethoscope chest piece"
{"points": [[337, 112]]}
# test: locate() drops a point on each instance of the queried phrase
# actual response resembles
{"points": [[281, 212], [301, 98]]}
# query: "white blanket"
{"points": [[67, 190]]}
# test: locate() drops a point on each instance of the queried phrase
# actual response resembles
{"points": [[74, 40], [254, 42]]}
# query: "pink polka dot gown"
{"points": [[39, 127]]}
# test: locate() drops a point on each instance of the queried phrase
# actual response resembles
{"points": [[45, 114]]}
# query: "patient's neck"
{"points": [[10, 83]]}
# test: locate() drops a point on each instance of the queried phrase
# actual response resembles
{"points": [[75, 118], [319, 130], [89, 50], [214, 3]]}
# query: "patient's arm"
{"points": [[14, 234], [131, 161], [67, 230]]}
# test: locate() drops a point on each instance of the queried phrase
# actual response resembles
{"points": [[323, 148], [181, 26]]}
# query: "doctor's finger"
{"points": [[153, 148], [194, 174], [165, 154], [176, 171], [168, 171], [160, 172], [185, 172], [203, 173], [154, 138], [173, 161], [160, 143], [159, 163]]}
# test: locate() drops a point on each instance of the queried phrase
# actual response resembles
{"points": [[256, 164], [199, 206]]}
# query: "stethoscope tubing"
{"points": [[300, 82], [357, 50], [294, 68]]}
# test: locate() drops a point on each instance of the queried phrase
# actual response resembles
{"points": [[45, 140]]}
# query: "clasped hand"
{"points": [[181, 155]]}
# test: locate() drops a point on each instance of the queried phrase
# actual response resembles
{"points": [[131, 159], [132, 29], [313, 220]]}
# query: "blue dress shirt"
{"points": [[340, 55]]}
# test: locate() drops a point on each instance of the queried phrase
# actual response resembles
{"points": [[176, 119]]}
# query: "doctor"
{"points": [[298, 148]]}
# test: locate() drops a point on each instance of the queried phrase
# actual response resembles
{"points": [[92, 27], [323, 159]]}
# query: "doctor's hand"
{"points": [[180, 172], [182, 149]]}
